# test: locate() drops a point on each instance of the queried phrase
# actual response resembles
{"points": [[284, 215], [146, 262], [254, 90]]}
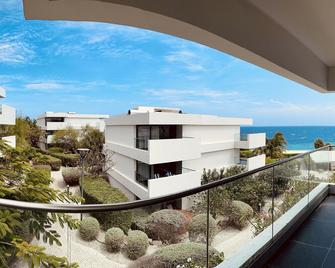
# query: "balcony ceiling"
{"points": [[295, 39]]}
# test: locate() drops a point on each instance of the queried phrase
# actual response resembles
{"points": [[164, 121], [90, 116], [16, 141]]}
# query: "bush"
{"points": [[137, 244], [68, 160], [166, 225], [114, 239], [23, 231], [177, 254], [55, 150], [53, 162], [71, 175], [197, 229], [89, 228], [98, 191], [239, 214], [140, 219], [40, 174]]}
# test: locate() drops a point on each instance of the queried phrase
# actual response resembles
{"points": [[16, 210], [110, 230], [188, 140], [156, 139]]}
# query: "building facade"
{"points": [[7, 117], [50, 122], [159, 151]]}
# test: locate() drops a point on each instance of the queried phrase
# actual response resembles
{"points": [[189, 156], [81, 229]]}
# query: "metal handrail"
{"points": [[76, 208]]}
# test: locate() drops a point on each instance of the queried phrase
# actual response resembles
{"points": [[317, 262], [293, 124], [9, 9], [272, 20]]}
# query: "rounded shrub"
{"points": [[71, 175], [89, 228], [240, 213], [137, 244], [98, 191], [177, 254], [166, 225], [42, 159], [114, 239], [197, 229]]}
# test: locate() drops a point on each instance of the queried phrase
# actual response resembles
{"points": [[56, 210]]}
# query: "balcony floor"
{"points": [[313, 244]]}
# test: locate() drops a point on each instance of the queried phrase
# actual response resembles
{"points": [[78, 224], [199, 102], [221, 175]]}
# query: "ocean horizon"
{"points": [[297, 137]]}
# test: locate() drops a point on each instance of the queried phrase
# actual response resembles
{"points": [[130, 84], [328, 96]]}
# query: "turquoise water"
{"points": [[298, 138]]}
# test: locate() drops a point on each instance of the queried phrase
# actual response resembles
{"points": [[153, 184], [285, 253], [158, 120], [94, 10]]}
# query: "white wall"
{"points": [[78, 123], [125, 165], [7, 115], [211, 134], [174, 184], [212, 160], [121, 134], [253, 141], [10, 140], [256, 162]]}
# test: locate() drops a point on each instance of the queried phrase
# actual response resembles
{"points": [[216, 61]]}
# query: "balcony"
{"points": [[291, 224], [7, 115], [10, 140], [166, 150], [170, 184], [251, 141], [252, 162]]}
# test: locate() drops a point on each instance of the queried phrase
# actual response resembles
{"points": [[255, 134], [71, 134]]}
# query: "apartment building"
{"points": [[7, 117], [50, 122], [159, 151]]}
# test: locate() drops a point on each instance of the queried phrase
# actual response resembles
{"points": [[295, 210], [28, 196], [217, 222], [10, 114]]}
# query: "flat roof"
{"points": [[166, 118], [72, 115]]}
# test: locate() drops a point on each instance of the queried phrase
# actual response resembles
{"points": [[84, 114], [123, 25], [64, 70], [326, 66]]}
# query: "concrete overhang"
{"points": [[292, 38]]}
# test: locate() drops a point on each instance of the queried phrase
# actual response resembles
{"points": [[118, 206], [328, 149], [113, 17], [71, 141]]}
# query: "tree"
{"points": [[67, 138], [318, 143], [274, 147], [18, 181], [98, 160]]}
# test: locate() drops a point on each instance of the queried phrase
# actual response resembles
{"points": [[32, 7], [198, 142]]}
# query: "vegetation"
{"points": [[239, 214], [197, 230], [114, 239], [89, 228], [166, 225], [19, 181], [177, 254], [67, 139], [318, 143], [42, 159], [71, 175], [26, 131], [67, 160], [98, 191], [137, 244]]}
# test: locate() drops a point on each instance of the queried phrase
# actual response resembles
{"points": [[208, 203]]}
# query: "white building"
{"points": [[159, 151], [7, 117], [50, 122]]}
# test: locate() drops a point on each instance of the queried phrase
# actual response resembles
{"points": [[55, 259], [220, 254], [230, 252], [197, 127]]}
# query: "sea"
{"points": [[297, 137]]}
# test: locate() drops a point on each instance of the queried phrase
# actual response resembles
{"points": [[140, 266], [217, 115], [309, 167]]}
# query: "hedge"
{"points": [[177, 254], [71, 175], [53, 162], [68, 160], [98, 191], [137, 244]]}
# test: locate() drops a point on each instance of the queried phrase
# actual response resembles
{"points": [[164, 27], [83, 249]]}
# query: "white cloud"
{"points": [[187, 59], [44, 86], [15, 52]]}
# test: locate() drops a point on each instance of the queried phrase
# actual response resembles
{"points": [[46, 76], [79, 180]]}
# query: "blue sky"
{"points": [[103, 68]]}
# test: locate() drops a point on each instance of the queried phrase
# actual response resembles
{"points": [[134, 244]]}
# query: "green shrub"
{"points": [[137, 244], [98, 191], [166, 225], [197, 229], [55, 150], [71, 175], [68, 160], [140, 219], [239, 214], [177, 254], [40, 174], [53, 162], [23, 231], [114, 239], [89, 228]]}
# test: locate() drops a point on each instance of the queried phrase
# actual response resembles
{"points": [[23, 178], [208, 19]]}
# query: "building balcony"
{"points": [[10, 140], [251, 141], [252, 162], [7, 115], [2, 92], [170, 184]]}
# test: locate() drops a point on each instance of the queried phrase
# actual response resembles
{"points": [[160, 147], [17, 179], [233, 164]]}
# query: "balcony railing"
{"points": [[270, 196]]}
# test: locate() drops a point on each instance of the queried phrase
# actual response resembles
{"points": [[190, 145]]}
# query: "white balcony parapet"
{"points": [[10, 140], [174, 184], [2, 92], [251, 141], [7, 115], [253, 162]]}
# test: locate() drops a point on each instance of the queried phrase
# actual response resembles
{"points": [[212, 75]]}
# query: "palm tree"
{"points": [[318, 143], [274, 147]]}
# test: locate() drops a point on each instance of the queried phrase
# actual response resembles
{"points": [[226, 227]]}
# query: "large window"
{"points": [[54, 119]]}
